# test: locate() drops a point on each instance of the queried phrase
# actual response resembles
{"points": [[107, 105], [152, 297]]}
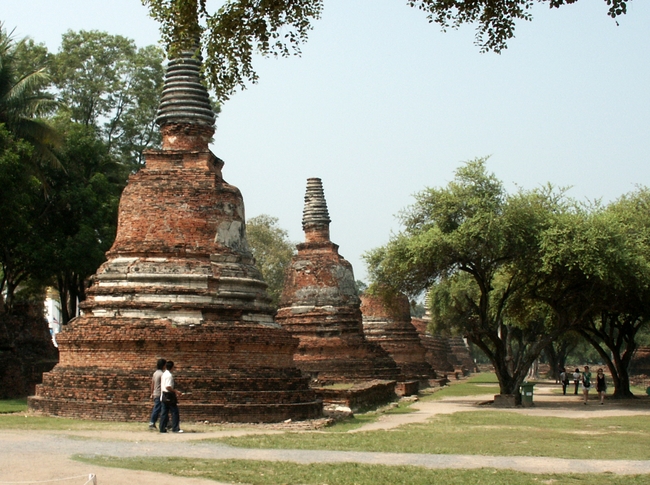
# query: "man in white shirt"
{"points": [[169, 400]]}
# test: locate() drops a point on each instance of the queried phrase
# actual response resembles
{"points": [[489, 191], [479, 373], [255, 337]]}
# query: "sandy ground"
{"points": [[31, 457]]}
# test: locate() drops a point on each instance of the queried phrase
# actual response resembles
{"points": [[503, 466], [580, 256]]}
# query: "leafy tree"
{"points": [[558, 351], [105, 81], [241, 28], [620, 239], [79, 221], [23, 100], [18, 197], [361, 286], [470, 244], [496, 19], [272, 251]]}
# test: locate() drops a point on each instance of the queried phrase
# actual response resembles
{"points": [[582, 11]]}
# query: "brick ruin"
{"points": [[445, 354], [389, 325], [26, 350], [179, 283], [320, 305], [438, 351]]}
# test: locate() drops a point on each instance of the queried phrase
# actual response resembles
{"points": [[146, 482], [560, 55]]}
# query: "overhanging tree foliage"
{"points": [[239, 29]]}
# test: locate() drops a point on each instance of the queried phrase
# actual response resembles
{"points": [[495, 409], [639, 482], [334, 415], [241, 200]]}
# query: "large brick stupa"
{"points": [[320, 305], [179, 283], [388, 323]]}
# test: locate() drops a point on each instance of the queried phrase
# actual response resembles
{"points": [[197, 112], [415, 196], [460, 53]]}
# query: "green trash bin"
{"points": [[527, 394]]}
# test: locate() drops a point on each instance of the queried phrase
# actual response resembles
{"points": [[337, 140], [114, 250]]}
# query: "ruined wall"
{"points": [[389, 325], [438, 350], [26, 351]]}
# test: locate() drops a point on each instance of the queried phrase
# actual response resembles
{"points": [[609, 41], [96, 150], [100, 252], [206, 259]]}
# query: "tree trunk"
{"points": [[554, 362], [617, 364], [63, 295]]}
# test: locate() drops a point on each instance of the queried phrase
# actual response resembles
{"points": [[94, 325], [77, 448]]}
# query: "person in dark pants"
{"points": [[564, 380], [601, 385], [577, 377], [169, 400], [155, 392]]}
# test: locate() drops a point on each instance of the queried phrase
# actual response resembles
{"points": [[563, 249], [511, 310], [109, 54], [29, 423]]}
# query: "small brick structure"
{"points": [[26, 350], [179, 283], [438, 350], [321, 307], [388, 323], [641, 361], [360, 396], [462, 355]]}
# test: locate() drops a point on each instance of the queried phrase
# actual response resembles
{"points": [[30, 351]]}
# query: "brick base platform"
{"points": [[228, 374]]}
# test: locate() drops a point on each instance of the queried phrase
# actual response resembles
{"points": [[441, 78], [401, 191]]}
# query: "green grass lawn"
{"points": [[498, 433], [277, 473], [13, 405]]}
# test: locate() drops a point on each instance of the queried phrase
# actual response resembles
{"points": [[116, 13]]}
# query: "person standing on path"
{"points": [[576, 380], [564, 380], [586, 383], [601, 385], [155, 392], [169, 400]]}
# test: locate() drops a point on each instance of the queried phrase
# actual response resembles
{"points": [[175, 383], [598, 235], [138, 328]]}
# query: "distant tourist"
{"points": [[169, 400], [55, 327], [564, 379], [577, 377], [155, 392], [586, 383], [601, 385]]}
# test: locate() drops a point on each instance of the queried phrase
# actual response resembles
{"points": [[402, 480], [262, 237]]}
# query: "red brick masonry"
{"points": [[179, 283]]}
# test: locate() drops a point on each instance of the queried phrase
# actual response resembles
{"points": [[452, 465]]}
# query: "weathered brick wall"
{"points": [[389, 325], [364, 395], [26, 351], [179, 283], [641, 361], [463, 356], [438, 351]]}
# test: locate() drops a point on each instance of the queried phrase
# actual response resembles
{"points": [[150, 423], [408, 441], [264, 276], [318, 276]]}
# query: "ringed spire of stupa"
{"points": [[315, 217], [185, 108], [185, 99]]}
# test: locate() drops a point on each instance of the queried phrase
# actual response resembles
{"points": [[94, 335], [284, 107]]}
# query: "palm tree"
{"points": [[23, 100]]}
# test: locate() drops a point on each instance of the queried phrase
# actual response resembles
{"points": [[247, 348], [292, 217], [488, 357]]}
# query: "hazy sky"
{"points": [[382, 104]]}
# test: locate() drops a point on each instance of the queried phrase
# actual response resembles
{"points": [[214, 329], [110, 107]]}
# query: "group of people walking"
{"points": [[584, 379], [165, 398]]}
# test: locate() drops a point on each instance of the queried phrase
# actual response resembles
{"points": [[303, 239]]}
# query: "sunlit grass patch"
{"points": [[496, 433], [13, 405], [477, 384], [26, 421], [277, 473]]}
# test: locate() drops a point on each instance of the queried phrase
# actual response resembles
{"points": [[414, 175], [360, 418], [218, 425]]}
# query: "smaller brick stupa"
{"points": [[320, 305], [389, 325]]}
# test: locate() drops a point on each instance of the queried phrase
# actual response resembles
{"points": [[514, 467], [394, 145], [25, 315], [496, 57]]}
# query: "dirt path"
{"points": [[546, 403], [31, 457]]}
